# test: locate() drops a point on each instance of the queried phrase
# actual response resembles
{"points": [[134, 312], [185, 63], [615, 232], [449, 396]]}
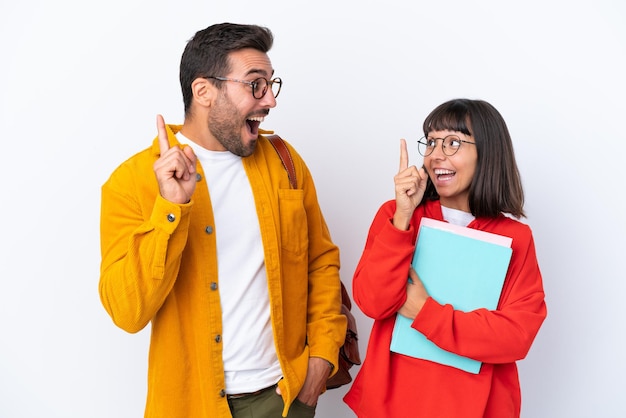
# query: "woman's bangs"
{"points": [[448, 119]]}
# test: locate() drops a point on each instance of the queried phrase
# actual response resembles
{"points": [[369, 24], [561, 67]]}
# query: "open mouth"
{"points": [[443, 175], [253, 124]]}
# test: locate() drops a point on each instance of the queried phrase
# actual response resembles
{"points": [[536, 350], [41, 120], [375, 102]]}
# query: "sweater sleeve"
{"points": [[503, 335], [380, 279]]}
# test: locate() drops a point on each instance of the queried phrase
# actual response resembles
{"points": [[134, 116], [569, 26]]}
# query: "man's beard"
{"points": [[224, 126]]}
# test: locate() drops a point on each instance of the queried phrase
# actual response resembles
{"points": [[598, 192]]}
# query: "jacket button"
{"points": [[213, 286], [208, 229], [171, 217], [198, 177], [222, 393], [218, 338]]}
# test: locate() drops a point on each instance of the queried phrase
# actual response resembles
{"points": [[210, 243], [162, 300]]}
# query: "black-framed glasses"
{"points": [[450, 145], [259, 85]]}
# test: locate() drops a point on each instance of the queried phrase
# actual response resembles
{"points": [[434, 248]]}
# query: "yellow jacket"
{"points": [[159, 266]]}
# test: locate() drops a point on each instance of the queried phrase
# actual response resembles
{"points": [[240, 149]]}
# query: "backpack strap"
{"points": [[285, 156]]}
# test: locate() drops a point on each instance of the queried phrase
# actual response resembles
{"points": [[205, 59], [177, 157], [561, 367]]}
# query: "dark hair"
{"points": [[496, 187], [206, 54]]}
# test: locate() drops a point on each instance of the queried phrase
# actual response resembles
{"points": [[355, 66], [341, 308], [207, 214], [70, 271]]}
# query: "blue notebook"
{"points": [[460, 266]]}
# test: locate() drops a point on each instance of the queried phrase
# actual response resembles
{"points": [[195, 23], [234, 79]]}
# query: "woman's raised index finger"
{"points": [[164, 144], [404, 155]]}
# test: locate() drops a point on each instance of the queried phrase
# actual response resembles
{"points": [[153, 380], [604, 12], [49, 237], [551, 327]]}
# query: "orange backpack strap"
{"points": [[285, 156]]}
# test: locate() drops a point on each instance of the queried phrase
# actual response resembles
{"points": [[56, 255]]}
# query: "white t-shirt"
{"points": [[250, 360], [456, 217]]}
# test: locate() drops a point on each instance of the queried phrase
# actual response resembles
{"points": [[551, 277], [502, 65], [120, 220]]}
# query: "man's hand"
{"points": [[410, 184], [315, 382], [174, 169]]}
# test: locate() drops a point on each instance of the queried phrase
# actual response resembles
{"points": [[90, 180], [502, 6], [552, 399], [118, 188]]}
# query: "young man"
{"points": [[203, 237]]}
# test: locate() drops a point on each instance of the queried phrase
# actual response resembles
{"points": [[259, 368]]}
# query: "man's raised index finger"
{"points": [[404, 155], [164, 144]]}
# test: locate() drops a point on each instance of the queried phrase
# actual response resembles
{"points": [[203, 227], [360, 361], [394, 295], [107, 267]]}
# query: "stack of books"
{"points": [[460, 266]]}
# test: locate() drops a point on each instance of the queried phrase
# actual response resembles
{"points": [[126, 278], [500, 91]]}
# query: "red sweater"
{"points": [[391, 385]]}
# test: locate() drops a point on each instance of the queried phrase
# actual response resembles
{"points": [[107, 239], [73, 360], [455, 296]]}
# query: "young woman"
{"points": [[469, 178]]}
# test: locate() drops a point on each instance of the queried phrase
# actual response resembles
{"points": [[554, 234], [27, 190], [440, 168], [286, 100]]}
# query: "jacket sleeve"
{"points": [[141, 247], [326, 326], [503, 335], [380, 279]]}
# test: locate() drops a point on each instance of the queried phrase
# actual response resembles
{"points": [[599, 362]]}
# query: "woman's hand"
{"points": [[410, 185], [416, 296]]}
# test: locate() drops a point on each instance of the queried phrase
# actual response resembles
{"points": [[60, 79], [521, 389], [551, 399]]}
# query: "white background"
{"points": [[81, 83]]}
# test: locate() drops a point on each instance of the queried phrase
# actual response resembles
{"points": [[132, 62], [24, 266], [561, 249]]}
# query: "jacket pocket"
{"points": [[293, 221]]}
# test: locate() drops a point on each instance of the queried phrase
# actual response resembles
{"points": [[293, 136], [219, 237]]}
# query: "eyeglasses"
{"points": [[259, 85], [450, 145]]}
